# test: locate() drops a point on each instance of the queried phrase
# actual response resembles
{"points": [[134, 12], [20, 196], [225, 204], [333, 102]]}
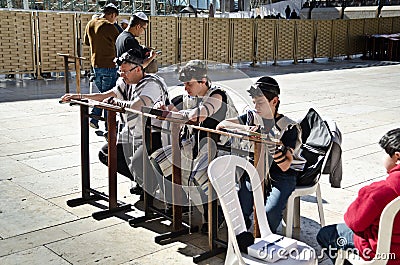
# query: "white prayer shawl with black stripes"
{"points": [[130, 125]]}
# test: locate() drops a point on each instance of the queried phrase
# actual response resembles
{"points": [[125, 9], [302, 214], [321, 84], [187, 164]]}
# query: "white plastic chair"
{"points": [[384, 238], [292, 213], [221, 172]]}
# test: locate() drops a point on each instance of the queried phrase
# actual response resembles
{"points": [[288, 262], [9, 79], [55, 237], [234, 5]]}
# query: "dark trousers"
{"points": [[123, 161], [122, 165], [334, 237]]}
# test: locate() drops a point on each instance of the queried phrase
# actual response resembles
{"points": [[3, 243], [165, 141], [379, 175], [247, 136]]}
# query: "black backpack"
{"points": [[317, 140]]}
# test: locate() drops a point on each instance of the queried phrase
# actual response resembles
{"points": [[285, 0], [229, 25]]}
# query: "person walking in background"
{"points": [[100, 35], [211, 11]]}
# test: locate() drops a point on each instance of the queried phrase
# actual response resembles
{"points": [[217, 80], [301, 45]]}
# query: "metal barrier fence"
{"points": [[30, 41]]}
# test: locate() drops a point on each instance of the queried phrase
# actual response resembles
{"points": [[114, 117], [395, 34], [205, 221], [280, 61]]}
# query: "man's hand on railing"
{"points": [[69, 97], [233, 126]]}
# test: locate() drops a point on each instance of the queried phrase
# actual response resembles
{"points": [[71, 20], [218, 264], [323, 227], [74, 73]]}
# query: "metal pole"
{"points": [[153, 7], [26, 4]]}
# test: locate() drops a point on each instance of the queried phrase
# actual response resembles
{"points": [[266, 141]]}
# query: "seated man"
{"points": [[360, 230], [205, 105], [134, 89], [266, 120]]}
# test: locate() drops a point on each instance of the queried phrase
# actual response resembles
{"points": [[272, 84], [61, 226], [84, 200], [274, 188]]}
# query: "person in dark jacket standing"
{"points": [[287, 12], [127, 39]]}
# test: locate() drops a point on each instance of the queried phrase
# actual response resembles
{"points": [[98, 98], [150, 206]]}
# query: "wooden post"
{"points": [[212, 202], [176, 178], [66, 74], [85, 164], [259, 164], [77, 62], [78, 74], [112, 159]]}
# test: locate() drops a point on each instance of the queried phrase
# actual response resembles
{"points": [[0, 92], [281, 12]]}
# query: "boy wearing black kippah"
{"points": [[287, 162]]}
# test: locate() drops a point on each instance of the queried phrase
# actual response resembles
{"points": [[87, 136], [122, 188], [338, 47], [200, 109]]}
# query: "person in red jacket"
{"points": [[360, 230]]}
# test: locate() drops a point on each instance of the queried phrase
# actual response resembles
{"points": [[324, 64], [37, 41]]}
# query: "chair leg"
{"points": [[292, 215], [320, 206], [296, 212], [289, 216]]}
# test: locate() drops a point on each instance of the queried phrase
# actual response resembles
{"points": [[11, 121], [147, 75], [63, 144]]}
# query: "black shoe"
{"points": [[204, 228], [137, 190], [221, 218]]}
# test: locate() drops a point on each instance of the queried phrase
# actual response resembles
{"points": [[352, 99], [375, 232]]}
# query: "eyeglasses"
{"points": [[127, 72]]}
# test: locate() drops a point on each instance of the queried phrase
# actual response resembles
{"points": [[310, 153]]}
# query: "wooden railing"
{"points": [[115, 207]]}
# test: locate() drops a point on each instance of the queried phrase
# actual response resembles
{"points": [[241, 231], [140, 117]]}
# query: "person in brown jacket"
{"points": [[101, 34]]}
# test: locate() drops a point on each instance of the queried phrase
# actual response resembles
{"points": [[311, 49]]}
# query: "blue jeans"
{"points": [[334, 237], [283, 184], [105, 79]]}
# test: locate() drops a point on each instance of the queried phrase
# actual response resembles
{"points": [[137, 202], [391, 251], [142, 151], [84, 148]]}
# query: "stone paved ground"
{"points": [[40, 158]]}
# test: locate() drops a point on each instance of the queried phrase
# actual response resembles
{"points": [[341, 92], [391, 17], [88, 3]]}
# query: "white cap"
{"points": [[109, 6], [141, 15], [124, 21]]}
